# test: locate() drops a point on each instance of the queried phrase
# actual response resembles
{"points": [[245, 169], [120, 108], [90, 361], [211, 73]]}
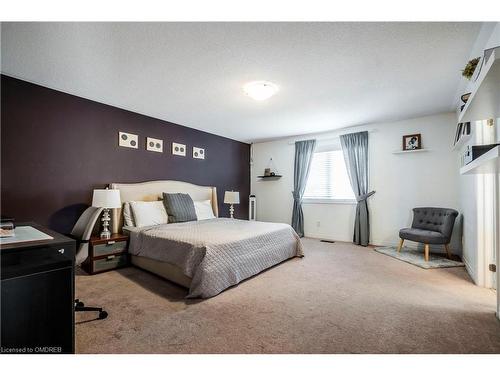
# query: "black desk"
{"points": [[37, 295]]}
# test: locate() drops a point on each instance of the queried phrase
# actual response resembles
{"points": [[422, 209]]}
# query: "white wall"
{"points": [[401, 181], [477, 206], [477, 191]]}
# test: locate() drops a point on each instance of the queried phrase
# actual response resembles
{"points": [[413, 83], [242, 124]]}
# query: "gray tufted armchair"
{"points": [[431, 225]]}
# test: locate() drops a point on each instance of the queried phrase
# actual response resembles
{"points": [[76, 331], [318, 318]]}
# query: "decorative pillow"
{"points": [[149, 213], [180, 207], [128, 218], [204, 210]]}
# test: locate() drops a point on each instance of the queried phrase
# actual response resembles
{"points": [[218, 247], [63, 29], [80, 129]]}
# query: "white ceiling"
{"points": [[331, 75]]}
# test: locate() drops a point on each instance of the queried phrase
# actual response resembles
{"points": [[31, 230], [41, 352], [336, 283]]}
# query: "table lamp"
{"points": [[106, 198], [231, 197]]}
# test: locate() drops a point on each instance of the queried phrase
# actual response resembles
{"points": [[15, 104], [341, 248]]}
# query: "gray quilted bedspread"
{"points": [[217, 253]]}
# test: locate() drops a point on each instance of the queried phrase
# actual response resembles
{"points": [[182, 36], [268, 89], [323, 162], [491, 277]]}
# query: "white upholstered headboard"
{"points": [[153, 190]]}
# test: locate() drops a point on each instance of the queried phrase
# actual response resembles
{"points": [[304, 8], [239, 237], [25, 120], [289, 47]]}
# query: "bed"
{"points": [[205, 256]]}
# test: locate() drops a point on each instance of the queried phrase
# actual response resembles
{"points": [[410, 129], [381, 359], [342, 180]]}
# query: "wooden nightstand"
{"points": [[107, 254]]}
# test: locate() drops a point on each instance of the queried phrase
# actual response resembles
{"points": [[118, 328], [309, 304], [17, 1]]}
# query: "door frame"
{"points": [[497, 234]]}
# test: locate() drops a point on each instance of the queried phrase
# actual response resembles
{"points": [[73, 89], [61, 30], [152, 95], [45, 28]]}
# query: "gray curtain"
{"points": [[355, 148], [304, 151]]}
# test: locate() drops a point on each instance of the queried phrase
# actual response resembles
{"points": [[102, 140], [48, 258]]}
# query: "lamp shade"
{"points": [[232, 197], [106, 198]]}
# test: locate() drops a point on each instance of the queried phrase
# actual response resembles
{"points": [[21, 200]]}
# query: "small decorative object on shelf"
{"points": [[270, 170], [473, 152], [487, 163], [465, 97], [469, 69], [463, 131], [412, 142]]}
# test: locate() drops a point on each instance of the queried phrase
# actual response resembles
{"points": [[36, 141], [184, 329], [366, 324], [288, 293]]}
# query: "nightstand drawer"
{"points": [[109, 263], [112, 247], [107, 254]]}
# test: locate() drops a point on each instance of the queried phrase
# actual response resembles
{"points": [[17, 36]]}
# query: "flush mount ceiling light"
{"points": [[260, 90]]}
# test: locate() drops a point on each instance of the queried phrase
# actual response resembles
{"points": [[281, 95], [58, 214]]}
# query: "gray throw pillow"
{"points": [[180, 207]]}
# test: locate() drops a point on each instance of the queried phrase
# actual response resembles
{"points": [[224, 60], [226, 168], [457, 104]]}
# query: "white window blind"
{"points": [[328, 177]]}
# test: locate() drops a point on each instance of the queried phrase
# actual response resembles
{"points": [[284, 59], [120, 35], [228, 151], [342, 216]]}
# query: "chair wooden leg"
{"points": [[448, 251], [400, 244], [426, 252]]}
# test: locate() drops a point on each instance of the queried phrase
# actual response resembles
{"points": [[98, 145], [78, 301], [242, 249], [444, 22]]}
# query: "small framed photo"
{"points": [[458, 133], [412, 142], [178, 149], [128, 140], [154, 144], [198, 153]]}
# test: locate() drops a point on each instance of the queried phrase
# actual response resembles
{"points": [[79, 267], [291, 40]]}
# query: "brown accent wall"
{"points": [[57, 147]]}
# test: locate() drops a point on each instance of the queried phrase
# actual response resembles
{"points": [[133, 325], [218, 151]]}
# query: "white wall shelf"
{"points": [[463, 139], [489, 162], [409, 151], [484, 100]]}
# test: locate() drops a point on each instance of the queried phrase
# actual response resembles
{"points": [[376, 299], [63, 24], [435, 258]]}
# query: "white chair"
{"points": [[82, 231]]}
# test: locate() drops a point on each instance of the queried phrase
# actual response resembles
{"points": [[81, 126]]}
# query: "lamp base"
{"points": [[231, 211], [105, 234]]}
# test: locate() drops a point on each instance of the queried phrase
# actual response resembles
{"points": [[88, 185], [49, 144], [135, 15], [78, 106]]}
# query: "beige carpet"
{"points": [[338, 299]]}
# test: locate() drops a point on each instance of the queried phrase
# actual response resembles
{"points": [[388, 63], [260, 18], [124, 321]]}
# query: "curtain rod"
{"points": [[319, 139]]}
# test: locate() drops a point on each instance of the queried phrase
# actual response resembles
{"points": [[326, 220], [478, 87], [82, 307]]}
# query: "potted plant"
{"points": [[470, 68]]}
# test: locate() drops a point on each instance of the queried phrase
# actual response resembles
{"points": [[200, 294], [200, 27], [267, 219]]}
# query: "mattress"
{"points": [[217, 253]]}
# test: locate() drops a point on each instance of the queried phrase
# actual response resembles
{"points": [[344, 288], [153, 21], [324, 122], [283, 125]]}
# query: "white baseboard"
{"points": [[470, 270], [320, 236]]}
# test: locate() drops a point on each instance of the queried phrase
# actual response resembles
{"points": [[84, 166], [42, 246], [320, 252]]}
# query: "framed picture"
{"points": [[178, 149], [412, 142], [458, 134], [466, 128], [198, 153], [128, 140], [154, 144]]}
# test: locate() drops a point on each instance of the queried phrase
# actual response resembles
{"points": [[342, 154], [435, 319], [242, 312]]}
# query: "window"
{"points": [[328, 179]]}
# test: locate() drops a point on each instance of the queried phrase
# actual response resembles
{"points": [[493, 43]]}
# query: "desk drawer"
{"points": [[109, 263], [26, 262], [112, 247]]}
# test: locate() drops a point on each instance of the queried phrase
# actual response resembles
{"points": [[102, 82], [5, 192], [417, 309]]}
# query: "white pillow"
{"points": [[128, 219], [203, 210], [149, 213]]}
